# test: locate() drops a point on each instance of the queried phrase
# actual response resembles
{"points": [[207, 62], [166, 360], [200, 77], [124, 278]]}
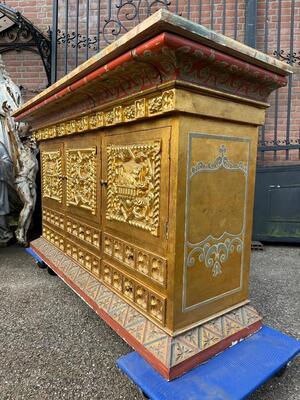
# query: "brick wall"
{"points": [[27, 70], [279, 120], [271, 20], [25, 67]]}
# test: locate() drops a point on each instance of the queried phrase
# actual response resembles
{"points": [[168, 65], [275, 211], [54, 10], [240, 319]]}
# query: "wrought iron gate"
{"points": [[83, 27]]}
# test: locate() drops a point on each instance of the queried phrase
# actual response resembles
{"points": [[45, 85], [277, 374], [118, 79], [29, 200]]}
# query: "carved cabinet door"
{"points": [[136, 190], [53, 191], [52, 172], [83, 201], [82, 159]]}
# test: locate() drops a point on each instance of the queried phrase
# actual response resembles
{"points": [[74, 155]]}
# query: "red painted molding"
{"points": [[96, 74], [206, 67]]}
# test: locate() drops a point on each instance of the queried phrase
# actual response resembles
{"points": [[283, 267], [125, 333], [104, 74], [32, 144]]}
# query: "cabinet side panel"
{"points": [[215, 219]]}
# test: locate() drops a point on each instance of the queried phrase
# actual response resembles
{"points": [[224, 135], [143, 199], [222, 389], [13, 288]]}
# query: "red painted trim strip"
{"points": [[164, 39], [128, 56], [243, 67]]}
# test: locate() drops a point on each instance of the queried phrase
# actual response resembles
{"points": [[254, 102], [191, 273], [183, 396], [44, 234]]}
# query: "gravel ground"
{"points": [[53, 346]]}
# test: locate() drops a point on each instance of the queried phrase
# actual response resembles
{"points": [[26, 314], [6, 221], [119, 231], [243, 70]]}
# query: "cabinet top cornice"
{"points": [[163, 38]]}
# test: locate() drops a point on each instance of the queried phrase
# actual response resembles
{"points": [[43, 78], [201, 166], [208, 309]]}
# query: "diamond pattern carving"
{"points": [[169, 350]]}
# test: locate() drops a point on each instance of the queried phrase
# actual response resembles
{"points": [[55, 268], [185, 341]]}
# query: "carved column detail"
{"points": [[133, 191], [81, 178], [52, 175]]}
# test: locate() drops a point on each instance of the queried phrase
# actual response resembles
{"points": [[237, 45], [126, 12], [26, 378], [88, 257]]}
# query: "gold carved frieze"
{"points": [[96, 120], [81, 178], [84, 232], [161, 103], [53, 237], [142, 297], [86, 259], [61, 129], [53, 217], [140, 260], [113, 116], [52, 175], [134, 110], [127, 112], [133, 184], [82, 124], [70, 127]]}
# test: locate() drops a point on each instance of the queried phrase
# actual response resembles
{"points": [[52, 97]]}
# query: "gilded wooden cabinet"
{"points": [[147, 191], [104, 197]]}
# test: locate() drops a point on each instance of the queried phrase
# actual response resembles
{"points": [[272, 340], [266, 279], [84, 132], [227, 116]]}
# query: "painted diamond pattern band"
{"points": [[170, 351]]}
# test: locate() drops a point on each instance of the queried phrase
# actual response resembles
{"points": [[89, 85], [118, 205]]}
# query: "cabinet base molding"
{"points": [[170, 356]]}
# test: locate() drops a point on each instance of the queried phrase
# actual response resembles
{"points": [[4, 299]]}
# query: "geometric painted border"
{"points": [[170, 356]]}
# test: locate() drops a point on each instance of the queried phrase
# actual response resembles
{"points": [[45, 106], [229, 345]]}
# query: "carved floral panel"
{"points": [[81, 178], [84, 232], [142, 297], [52, 175], [53, 217], [144, 262], [86, 259], [133, 192]]}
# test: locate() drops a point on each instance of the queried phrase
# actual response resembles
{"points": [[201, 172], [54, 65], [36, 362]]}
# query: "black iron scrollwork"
{"points": [[279, 144], [18, 34], [289, 57], [76, 40], [129, 10], [23, 35]]}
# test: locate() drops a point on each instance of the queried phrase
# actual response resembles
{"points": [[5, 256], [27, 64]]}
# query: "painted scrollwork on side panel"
{"points": [[51, 175], [213, 255], [213, 252], [133, 192], [81, 178]]}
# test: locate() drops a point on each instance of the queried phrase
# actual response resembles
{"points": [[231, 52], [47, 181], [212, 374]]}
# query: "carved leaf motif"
{"points": [[108, 249], [141, 297], [51, 175], [81, 178], [128, 288], [156, 308]]}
